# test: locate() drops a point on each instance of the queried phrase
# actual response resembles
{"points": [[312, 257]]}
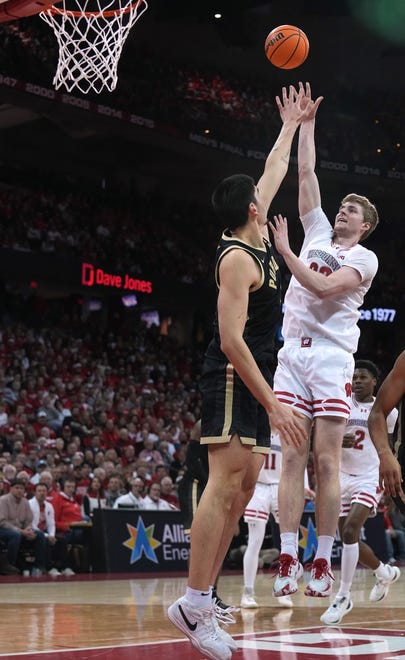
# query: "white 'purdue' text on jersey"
{"points": [[362, 458]]}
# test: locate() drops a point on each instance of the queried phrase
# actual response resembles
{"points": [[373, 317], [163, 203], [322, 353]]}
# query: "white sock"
{"points": [[198, 598], [350, 558], [289, 543], [257, 531], [324, 549]]}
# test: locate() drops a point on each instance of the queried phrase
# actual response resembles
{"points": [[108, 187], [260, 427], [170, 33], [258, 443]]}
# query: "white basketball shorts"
{"points": [[315, 377], [363, 489], [263, 502]]}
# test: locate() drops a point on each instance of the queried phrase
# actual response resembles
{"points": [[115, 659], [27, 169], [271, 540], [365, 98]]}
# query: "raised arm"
{"points": [[388, 396], [309, 196], [292, 112]]}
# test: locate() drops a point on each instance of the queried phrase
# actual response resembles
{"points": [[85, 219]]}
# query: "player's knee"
{"points": [[350, 533], [326, 467], [293, 462]]}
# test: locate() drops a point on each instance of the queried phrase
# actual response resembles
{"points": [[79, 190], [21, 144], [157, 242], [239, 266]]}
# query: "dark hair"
{"points": [[41, 483], [68, 480], [17, 482], [369, 366], [231, 199]]}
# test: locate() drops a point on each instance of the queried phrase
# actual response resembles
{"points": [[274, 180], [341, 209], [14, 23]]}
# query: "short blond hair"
{"points": [[369, 212]]}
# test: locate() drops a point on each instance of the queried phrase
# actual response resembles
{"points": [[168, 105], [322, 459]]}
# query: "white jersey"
{"points": [[271, 470], [362, 458], [306, 315]]}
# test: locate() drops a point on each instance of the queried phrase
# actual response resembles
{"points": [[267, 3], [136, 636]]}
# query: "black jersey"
{"points": [[264, 306]]}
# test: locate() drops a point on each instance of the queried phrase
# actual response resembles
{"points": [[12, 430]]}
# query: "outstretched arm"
{"points": [[388, 396], [292, 111], [309, 196]]}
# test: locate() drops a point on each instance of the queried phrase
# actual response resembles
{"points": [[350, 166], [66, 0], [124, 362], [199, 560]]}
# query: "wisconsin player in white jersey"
{"points": [[360, 494], [263, 503], [315, 366]]}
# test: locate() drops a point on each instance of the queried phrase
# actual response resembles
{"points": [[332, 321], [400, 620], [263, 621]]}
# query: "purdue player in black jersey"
{"points": [[392, 460], [238, 402]]}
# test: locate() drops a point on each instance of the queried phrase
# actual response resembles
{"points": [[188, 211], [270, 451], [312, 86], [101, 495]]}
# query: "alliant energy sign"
{"points": [[93, 276]]}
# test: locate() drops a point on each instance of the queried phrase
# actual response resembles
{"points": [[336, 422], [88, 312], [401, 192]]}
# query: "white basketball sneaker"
{"points": [[248, 600], [285, 601], [224, 636], [320, 584], [337, 610], [289, 572], [382, 585], [199, 625]]}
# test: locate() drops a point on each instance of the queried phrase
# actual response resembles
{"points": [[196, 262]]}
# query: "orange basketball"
{"points": [[286, 47]]}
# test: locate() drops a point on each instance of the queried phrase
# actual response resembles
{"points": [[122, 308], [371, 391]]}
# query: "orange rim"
{"points": [[107, 14]]}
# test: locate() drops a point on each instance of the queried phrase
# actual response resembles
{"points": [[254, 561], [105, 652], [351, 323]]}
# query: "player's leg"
{"points": [[291, 505], [252, 466], [385, 574], [194, 612], [257, 529], [244, 494], [327, 443], [215, 519], [290, 388], [349, 529], [354, 549], [330, 375]]}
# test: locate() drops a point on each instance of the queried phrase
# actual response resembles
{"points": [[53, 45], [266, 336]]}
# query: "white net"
{"points": [[90, 38]]}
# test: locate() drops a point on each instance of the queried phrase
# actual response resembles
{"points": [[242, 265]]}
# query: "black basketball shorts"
{"points": [[229, 408]]}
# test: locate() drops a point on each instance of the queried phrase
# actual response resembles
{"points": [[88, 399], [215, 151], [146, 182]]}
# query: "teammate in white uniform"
{"points": [[263, 503], [360, 494], [315, 365]]}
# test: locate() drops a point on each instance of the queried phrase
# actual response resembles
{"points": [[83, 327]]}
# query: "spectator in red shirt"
{"points": [[68, 518], [67, 508]]}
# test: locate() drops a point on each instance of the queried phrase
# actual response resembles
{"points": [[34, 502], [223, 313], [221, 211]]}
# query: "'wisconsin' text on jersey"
{"points": [[327, 258]]}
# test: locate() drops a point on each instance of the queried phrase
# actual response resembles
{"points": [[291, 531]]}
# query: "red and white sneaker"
{"points": [[320, 584], [289, 572]]}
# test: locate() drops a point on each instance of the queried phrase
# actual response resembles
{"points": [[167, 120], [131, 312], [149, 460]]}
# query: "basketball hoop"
{"points": [[91, 35]]}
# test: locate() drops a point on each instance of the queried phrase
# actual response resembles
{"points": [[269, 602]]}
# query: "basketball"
{"points": [[286, 47]]}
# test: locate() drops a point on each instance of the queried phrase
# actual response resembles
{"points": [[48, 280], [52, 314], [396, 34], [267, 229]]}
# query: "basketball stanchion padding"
{"points": [[91, 35]]}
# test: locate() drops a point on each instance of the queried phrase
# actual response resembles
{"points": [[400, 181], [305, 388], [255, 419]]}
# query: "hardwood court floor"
{"points": [[122, 617]]}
